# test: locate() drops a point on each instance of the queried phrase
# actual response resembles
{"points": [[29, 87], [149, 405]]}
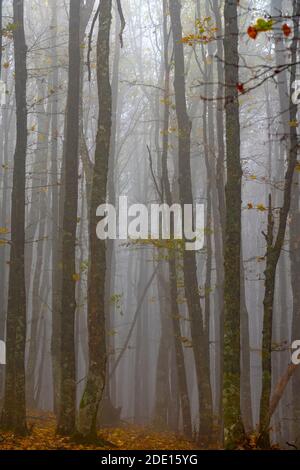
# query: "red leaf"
{"points": [[240, 87], [286, 29], [252, 32]]}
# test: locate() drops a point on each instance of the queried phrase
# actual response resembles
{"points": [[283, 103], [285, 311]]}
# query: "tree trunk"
{"points": [[56, 336], [110, 386], [233, 427], [274, 247], [162, 379], [295, 276], [14, 410], [172, 269], [246, 398], [97, 266], [220, 183], [1, 38], [67, 406], [38, 221], [189, 257]]}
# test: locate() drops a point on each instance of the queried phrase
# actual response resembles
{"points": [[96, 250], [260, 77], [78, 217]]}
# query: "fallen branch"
{"points": [[133, 323], [277, 395], [280, 388]]}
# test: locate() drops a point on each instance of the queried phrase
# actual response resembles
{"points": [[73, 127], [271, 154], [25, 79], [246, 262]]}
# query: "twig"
{"points": [[123, 22], [88, 61], [159, 192]]}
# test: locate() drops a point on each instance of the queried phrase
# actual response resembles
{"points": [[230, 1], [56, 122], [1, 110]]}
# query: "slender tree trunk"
{"points": [[110, 387], [67, 408], [1, 38], [39, 199], [175, 314], [189, 258], [295, 276], [41, 368], [274, 247], [246, 398], [56, 336], [162, 379], [2, 266], [140, 347], [233, 427], [220, 183], [97, 267], [14, 410]]}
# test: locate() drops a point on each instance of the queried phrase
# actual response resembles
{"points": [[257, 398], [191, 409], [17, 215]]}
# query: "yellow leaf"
{"points": [[293, 123], [41, 138], [3, 230], [261, 207], [76, 277]]}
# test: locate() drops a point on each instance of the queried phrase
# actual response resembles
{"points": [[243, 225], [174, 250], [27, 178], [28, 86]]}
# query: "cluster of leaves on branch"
{"points": [[205, 32], [262, 26]]}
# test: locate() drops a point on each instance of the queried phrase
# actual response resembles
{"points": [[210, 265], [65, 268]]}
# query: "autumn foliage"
{"points": [[252, 32], [240, 87], [42, 437], [286, 30], [205, 32], [263, 25]]}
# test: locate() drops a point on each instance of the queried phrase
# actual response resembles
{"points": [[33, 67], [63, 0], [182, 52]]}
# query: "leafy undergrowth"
{"points": [[42, 437]]}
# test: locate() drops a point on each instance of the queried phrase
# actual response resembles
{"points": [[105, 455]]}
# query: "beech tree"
{"points": [[233, 427], [275, 241], [92, 395], [193, 103], [14, 409], [67, 405], [189, 259]]}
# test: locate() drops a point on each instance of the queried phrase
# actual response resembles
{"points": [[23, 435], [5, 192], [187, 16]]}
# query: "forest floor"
{"points": [[42, 437]]}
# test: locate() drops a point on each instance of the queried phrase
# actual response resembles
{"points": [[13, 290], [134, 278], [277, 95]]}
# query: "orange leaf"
{"points": [[252, 32], [286, 29]]}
